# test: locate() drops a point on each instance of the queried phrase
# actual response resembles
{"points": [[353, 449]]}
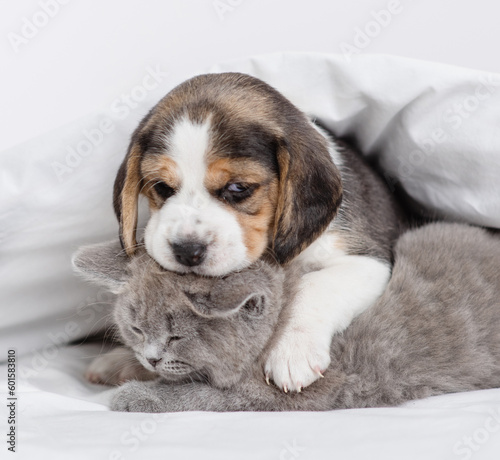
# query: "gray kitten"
{"points": [[436, 329]]}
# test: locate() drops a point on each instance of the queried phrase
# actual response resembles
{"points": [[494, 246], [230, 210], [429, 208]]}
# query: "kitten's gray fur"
{"points": [[436, 329]]}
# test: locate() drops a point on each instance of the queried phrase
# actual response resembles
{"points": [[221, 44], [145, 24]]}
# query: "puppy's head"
{"points": [[230, 168]]}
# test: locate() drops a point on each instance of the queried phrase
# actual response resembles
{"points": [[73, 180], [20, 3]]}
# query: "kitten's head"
{"points": [[184, 326]]}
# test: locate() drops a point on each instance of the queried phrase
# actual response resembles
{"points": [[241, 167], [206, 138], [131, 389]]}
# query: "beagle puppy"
{"points": [[233, 171]]}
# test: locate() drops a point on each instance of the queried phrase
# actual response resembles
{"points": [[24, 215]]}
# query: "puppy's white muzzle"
{"points": [[196, 234]]}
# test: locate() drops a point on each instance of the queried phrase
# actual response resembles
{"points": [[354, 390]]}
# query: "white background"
{"points": [[92, 51]]}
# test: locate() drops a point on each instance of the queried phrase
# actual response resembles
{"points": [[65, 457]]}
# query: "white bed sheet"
{"points": [[61, 416]]}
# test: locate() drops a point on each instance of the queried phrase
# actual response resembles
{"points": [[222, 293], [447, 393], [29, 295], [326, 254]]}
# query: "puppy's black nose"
{"points": [[153, 361], [189, 254]]}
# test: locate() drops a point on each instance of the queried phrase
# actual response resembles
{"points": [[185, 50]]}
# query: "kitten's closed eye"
{"points": [[172, 339], [136, 330]]}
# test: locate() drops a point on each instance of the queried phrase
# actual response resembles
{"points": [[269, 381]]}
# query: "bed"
{"points": [[433, 131]]}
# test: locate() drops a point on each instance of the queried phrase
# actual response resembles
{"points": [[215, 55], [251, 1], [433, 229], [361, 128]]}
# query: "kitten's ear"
{"points": [[250, 291], [226, 302], [103, 263]]}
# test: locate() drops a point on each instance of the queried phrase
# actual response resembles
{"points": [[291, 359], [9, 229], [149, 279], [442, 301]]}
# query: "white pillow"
{"points": [[432, 127]]}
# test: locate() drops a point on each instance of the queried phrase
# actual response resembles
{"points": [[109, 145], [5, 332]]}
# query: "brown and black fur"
{"points": [[257, 125]]}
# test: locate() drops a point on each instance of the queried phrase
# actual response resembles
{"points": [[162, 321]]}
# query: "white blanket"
{"points": [[60, 416], [433, 128]]}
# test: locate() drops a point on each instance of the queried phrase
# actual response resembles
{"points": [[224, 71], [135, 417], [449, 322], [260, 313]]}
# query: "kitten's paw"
{"points": [[116, 367], [136, 397], [297, 360]]}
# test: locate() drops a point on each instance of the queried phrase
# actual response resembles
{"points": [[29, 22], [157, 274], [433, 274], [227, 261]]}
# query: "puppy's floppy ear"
{"points": [[103, 263], [126, 196], [310, 191]]}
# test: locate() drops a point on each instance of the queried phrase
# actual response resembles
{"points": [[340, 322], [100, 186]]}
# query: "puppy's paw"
{"points": [[298, 359], [116, 367], [136, 397]]}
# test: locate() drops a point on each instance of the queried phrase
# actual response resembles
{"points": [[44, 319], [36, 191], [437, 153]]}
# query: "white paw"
{"points": [[116, 367], [298, 359]]}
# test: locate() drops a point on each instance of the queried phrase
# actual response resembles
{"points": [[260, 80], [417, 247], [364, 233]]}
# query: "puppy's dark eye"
{"points": [[136, 330], [235, 192], [236, 188], [164, 190]]}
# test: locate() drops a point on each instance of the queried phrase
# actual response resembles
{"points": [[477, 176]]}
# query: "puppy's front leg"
{"points": [[327, 301]]}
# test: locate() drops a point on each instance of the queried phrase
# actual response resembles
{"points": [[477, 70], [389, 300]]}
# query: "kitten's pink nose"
{"points": [[153, 361]]}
